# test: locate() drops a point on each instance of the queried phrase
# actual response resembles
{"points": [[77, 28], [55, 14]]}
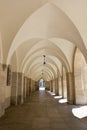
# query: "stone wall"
{"points": [[57, 86], [70, 88], [64, 84], [24, 89], [17, 88], [3, 80], [36, 84], [32, 85], [53, 84], [7, 96], [14, 88], [47, 85], [80, 74], [60, 86], [20, 88]]}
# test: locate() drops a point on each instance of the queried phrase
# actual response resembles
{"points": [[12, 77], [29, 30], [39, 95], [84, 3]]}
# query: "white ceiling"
{"points": [[31, 29]]}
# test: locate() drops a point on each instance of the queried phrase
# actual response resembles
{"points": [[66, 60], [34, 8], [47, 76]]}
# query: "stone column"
{"points": [[30, 86], [51, 86], [9, 75], [37, 85], [70, 88], [27, 89], [14, 89], [24, 88], [20, 88], [62, 86], [8, 87], [56, 87], [3, 81]]}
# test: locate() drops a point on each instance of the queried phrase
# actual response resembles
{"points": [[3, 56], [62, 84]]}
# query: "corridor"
{"points": [[41, 112]]}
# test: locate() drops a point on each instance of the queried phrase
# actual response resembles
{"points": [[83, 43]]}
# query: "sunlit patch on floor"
{"points": [[80, 112], [52, 93], [42, 88], [57, 97], [62, 100]]}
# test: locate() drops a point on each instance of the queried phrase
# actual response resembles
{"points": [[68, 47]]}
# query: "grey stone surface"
{"points": [[41, 112]]}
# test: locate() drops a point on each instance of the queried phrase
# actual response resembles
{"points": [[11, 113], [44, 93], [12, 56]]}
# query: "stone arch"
{"points": [[37, 69], [47, 76], [49, 60], [24, 34], [48, 51], [80, 74], [38, 46], [32, 59]]}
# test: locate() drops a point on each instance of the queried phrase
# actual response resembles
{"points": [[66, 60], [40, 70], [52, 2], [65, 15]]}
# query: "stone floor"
{"points": [[41, 112]]}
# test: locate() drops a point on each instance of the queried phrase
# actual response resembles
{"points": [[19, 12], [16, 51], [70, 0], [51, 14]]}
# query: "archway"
{"points": [[80, 73], [41, 84]]}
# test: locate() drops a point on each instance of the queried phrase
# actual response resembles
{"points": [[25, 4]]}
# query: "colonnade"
{"points": [[15, 89], [58, 87]]}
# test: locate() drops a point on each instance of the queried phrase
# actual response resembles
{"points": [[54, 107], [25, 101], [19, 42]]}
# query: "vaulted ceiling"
{"points": [[30, 29]]}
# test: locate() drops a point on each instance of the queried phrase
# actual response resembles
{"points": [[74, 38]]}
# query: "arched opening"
{"points": [[42, 85], [80, 73]]}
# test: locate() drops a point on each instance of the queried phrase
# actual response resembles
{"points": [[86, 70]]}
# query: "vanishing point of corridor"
{"points": [[41, 112]]}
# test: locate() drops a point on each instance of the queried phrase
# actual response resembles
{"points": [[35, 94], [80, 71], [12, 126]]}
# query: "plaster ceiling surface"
{"points": [[31, 29]]}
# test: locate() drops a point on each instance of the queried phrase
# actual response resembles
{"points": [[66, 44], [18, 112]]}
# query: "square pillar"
{"points": [[25, 89], [62, 86], [29, 86], [51, 86], [20, 88], [14, 88], [3, 83], [57, 86], [70, 88]]}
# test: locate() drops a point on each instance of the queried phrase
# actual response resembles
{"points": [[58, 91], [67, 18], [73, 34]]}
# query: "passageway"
{"points": [[42, 40], [41, 112], [43, 46]]}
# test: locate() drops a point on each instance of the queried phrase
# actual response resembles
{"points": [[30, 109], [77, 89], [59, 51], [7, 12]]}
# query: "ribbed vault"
{"points": [[44, 29]]}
